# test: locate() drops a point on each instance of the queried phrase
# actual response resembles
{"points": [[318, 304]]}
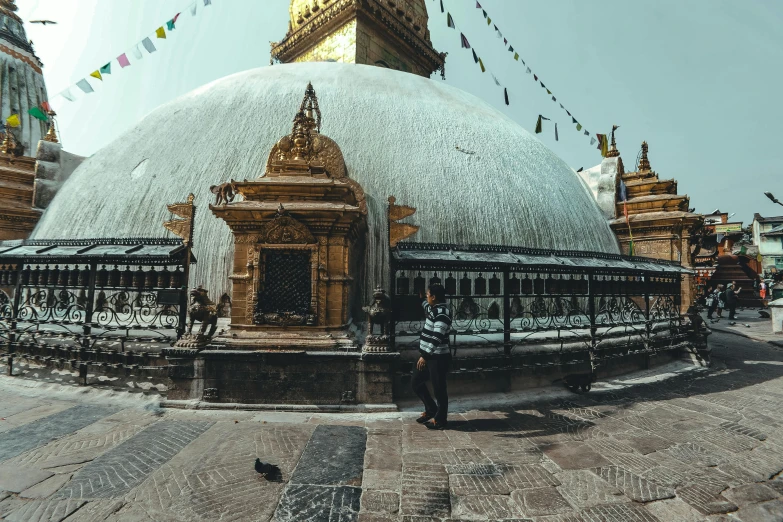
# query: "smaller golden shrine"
{"points": [[297, 236]]}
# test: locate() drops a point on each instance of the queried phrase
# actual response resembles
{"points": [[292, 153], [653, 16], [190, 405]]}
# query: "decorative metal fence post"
{"points": [[506, 314], [87, 328], [591, 313]]}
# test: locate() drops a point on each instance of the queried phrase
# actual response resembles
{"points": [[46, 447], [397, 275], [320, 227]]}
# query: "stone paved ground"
{"points": [[700, 445]]}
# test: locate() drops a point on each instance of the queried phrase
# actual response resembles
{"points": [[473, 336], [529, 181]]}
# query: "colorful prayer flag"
{"points": [[535, 77], [175, 17], [465, 43], [510, 48], [496, 80], [556, 138], [170, 25], [193, 9], [573, 120], [554, 99], [592, 141], [137, 52], [106, 69], [600, 140], [67, 95], [160, 32], [528, 70], [85, 86], [96, 74], [505, 94], [586, 133], [207, 2], [484, 12], [538, 125], [37, 113], [148, 45], [623, 191], [516, 56], [505, 42], [489, 20], [578, 126], [450, 21], [441, 6], [45, 106], [475, 57], [481, 63], [13, 120], [478, 5], [123, 60]]}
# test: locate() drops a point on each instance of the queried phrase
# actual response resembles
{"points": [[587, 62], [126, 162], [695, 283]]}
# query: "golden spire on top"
{"points": [[51, 135], [644, 163], [613, 152]]}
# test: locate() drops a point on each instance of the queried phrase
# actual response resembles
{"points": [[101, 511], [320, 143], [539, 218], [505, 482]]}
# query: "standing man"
{"points": [[434, 360], [732, 299]]}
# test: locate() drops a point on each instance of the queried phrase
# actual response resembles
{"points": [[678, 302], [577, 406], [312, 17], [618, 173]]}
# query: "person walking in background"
{"points": [[435, 359], [712, 301], [721, 300], [763, 293], [731, 299]]}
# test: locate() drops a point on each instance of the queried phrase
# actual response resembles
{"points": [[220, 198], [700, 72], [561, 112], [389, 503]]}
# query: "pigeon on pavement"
{"points": [[269, 471]]}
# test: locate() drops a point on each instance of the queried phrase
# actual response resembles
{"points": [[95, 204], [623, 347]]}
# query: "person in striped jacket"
{"points": [[434, 360]]}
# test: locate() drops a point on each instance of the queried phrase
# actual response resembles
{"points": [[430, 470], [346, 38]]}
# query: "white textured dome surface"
{"points": [[399, 134]]}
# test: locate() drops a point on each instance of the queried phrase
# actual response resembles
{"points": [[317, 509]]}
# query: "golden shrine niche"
{"points": [[297, 231]]}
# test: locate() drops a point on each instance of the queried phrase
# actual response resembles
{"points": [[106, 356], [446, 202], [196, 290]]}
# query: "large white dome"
{"points": [[474, 175]]}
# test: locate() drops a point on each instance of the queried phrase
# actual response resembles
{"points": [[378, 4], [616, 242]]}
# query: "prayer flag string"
{"points": [[451, 23], [134, 50]]}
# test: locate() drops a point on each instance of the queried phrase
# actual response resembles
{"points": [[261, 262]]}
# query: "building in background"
{"points": [[645, 212], [387, 34], [768, 238], [33, 165]]}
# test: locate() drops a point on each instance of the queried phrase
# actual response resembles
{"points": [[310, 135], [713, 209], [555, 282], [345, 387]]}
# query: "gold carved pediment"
{"points": [[284, 229]]}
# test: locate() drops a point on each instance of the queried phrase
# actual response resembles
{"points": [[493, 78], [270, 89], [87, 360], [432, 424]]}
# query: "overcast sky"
{"points": [[698, 79]]}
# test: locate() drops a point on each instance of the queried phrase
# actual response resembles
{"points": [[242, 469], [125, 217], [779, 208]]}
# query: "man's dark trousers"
{"points": [[435, 371]]}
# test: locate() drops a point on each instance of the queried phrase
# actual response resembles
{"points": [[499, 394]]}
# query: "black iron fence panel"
{"points": [[511, 308], [89, 304]]}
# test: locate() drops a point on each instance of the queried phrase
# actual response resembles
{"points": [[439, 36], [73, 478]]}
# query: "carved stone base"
{"points": [[377, 344], [192, 341]]}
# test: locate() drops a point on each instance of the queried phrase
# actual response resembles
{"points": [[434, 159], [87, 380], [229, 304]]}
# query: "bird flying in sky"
{"points": [[43, 22]]}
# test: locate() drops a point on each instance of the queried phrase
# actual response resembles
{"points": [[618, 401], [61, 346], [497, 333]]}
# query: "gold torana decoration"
{"points": [[51, 135], [182, 227], [644, 163], [284, 229], [399, 231]]}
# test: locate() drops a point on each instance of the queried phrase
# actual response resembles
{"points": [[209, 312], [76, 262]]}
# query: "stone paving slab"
{"points": [[701, 446], [39, 432]]}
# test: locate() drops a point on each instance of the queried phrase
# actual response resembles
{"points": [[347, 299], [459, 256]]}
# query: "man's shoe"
{"points": [[434, 425], [424, 417]]}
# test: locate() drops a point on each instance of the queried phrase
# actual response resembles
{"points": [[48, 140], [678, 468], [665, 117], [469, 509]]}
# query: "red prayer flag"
{"points": [[45, 106], [175, 17]]}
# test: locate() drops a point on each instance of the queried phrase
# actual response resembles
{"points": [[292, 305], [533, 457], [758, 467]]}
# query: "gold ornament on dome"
{"points": [[644, 163], [399, 231], [51, 135], [182, 227], [306, 151]]}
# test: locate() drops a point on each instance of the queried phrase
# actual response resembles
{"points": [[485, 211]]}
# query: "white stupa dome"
{"points": [[475, 176]]}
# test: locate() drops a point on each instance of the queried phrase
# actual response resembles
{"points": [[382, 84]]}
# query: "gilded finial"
{"points": [[305, 126], [644, 163], [613, 152], [9, 143], [51, 135]]}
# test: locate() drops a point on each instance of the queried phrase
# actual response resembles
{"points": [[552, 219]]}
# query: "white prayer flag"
{"points": [[207, 2], [85, 86], [137, 52], [67, 95], [148, 45], [193, 8]]}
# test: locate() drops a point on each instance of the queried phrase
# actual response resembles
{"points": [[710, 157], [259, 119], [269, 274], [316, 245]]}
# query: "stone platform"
{"points": [[680, 443]]}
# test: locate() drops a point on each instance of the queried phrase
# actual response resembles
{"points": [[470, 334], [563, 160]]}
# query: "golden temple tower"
{"points": [[385, 33]]}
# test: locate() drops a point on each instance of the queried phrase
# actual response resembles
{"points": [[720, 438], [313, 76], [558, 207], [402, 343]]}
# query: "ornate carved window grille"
{"points": [[287, 285]]}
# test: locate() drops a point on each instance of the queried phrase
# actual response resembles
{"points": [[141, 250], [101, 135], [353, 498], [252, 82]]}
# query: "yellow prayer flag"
{"points": [[160, 32], [13, 120], [97, 74], [482, 65], [516, 56]]}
